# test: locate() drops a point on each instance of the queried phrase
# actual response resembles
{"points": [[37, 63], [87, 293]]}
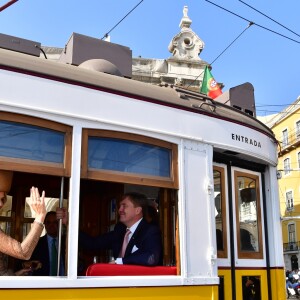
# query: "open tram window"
{"points": [[16, 217], [38, 151], [98, 216], [113, 164], [220, 206], [248, 216]]}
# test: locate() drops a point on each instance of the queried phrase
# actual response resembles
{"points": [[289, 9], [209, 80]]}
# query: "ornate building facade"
{"points": [[184, 67]]}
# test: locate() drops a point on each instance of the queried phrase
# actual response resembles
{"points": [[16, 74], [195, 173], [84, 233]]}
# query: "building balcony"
{"points": [[291, 247], [290, 144]]}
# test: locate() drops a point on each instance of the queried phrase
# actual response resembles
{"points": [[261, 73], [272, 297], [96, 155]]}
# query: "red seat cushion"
{"points": [[128, 270]]}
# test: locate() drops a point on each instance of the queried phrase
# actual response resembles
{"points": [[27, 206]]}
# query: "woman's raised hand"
{"points": [[37, 203]]}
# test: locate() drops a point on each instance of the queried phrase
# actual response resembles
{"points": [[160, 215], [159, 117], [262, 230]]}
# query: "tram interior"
{"points": [[98, 212]]}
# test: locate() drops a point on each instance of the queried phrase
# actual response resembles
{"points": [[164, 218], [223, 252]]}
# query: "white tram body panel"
{"points": [[86, 99], [81, 103]]}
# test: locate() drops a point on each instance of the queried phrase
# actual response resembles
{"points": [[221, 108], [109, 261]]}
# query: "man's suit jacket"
{"points": [[41, 253], [144, 247]]}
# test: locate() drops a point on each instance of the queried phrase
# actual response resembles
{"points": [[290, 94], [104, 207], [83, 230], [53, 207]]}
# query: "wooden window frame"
{"points": [[223, 253], [34, 166], [248, 254], [116, 176]]}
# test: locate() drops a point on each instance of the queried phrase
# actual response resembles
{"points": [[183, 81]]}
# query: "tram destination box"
{"points": [[81, 48], [20, 45]]}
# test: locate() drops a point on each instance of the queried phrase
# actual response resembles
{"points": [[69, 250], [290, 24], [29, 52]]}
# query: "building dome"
{"points": [[101, 65]]}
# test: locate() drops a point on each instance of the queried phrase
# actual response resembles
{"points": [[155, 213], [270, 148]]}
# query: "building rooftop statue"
{"points": [[186, 45]]}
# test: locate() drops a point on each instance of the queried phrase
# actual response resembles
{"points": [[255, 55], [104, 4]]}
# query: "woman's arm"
{"points": [[23, 250]]}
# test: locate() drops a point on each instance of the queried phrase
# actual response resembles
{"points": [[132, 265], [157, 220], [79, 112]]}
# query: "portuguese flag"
{"points": [[209, 86]]}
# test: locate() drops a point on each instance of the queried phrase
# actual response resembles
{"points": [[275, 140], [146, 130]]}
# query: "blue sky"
{"points": [[269, 61]]}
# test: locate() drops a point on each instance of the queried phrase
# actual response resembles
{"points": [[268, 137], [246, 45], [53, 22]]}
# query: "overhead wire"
{"points": [[249, 25], [287, 109], [275, 111], [293, 133], [106, 34], [263, 105], [269, 18], [258, 25]]}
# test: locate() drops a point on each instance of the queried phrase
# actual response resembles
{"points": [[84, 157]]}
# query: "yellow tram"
{"points": [[87, 137]]}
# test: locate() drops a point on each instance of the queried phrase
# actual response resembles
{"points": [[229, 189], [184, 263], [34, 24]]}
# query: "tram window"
{"points": [[28, 143], [248, 219], [45, 145], [42, 149], [99, 214], [128, 156], [220, 206], [114, 163], [121, 157], [16, 217]]}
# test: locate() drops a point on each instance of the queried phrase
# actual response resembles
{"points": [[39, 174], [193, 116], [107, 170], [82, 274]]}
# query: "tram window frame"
{"points": [[244, 253], [95, 202], [132, 178], [222, 253], [34, 166]]}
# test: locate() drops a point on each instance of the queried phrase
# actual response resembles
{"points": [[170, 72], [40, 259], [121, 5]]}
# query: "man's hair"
{"points": [[49, 213], [138, 200]]}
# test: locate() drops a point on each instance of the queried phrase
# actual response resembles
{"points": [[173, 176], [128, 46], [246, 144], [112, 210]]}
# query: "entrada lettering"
{"points": [[246, 140]]}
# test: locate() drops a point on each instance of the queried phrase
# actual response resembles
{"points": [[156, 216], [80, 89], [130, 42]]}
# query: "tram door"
{"points": [[239, 234]]}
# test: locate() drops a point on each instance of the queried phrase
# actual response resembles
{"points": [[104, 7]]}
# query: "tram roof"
{"points": [[169, 95]]}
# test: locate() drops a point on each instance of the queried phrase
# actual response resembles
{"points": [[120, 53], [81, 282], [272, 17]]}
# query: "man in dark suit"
{"points": [[45, 251], [133, 240]]}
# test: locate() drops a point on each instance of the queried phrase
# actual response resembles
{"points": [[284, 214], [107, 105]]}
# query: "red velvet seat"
{"points": [[128, 270]]}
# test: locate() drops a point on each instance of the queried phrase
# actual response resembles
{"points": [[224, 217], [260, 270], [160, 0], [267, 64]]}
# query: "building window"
{"points": [[286, 166], [285, 138], [292, 233], [298, 130], [289, 200]]}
